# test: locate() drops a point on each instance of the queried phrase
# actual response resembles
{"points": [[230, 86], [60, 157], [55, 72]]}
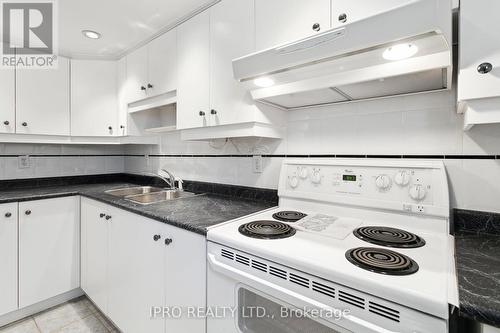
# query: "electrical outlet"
{"points": [[24, 162], [257, 164], [148, 160]]}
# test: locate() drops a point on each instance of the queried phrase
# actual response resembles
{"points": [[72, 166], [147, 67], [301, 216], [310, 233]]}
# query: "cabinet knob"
{"points": [[110, 128], [102, 215], [143, 88], [6, 123], [150, 85], [202, 113], [28, 212], [24, 124], [108, 217], [213, 111], [156, 238], [8, 214], [316, 27], [168, 241], [484, 68], [343, 18], [122, 127]]}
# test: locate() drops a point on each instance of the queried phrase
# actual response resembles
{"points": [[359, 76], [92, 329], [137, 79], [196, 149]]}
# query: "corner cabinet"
{"points": [[479, 62], [131, 263], [43, 100]]}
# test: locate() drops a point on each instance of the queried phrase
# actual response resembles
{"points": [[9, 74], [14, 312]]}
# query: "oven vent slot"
{"points": [[259, 266], [351, 299], [242, 260], [227, 254], [384, 311], [277, 272], [323, 289], [300, 280]]}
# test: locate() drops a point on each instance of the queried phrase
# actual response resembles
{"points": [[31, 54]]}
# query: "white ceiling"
{"points": [[124, 24]]}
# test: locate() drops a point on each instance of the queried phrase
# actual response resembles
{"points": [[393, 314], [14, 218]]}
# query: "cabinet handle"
{"points": [[202, 113], [122, 127], [150, 85], [168, 241], [214, 112], [343, 18], [8, 214], [143, 88], [28, 212], [108, 217], [6, 123], [24, 124], [102, 215], [316, 27], [484, 68], [110, 128], [156, 238]]}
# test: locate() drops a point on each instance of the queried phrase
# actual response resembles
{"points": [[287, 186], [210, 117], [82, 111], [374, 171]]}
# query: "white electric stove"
{"points": [[354, 246]]}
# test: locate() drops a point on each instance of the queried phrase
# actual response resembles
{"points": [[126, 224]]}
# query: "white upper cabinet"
{"points": [[7, 101], [8, 257], [42, 100], [282, 21], [121, 67], [193, 80], [346, 11], [152, 69], [94, 104]]}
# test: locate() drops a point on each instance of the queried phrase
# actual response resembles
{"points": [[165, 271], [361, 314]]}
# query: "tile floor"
{"points": [[76, 316]]}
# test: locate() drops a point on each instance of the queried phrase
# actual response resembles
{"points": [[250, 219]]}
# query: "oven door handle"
{"points": [[251, 280]]}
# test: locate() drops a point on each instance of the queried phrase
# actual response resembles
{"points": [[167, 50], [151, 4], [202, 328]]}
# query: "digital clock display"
{"points": [[349, 178]]}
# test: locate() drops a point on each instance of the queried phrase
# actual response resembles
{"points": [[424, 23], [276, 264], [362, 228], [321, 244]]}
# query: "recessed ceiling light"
{"points": [[91, 34], [263, 82], [400, 51]]}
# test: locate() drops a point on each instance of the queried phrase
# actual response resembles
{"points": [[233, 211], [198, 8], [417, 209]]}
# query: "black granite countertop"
{"points": [[195, 213], [477, 246]]}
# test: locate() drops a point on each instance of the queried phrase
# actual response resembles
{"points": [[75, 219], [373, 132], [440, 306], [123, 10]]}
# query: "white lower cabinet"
{"points": [[489, 329], [49, 249], [131, 264], [8, 257]]}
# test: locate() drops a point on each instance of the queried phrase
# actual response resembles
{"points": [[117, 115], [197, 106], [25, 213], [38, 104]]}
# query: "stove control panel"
{"points": [[411, 189]]}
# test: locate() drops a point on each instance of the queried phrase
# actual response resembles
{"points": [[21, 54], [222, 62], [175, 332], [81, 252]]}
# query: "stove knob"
{"points": [[293, 181], [383, 182], [417, 192], [316, 177], [402, 178], [303, 172]]}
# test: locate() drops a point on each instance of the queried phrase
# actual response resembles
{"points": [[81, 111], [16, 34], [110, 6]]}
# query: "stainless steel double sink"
{"points": [[146, 195]]}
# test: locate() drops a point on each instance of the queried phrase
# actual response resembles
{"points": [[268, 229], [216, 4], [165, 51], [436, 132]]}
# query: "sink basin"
{"points": [[151, 198], [128, 191]]}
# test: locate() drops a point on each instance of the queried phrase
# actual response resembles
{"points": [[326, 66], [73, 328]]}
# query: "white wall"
{"points": [[419, 124]]}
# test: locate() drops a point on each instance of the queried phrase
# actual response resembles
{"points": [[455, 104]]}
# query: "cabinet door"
{"points": [[283, 21], [346, 11], [162, 65], [479, 43], [42, 100], [193, 53], [8, 257], [7, 101], [185, 277], [122, 97], [136, 271], [94, 104], [95, 252], [137, 74], [49, 249], [231, 36]]}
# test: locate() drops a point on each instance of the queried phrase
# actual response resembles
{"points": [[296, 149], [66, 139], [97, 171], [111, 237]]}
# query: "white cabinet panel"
{"points": [[136, 272], [231, 36], [489, 329], [94, 104], [162, 64], [8, 257], [137, 74], [95, 252], [7, 101], [193, 58], [122, 97], [346, 11], [282, 21], [49, 243], [185, 277], [42, 100], [479, 43]]}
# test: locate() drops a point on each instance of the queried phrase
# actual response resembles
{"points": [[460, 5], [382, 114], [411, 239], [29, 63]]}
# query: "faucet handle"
{"points": [[179, 183]]}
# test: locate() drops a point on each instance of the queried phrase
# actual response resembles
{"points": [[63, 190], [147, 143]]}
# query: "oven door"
{"points": [[241, 302]]}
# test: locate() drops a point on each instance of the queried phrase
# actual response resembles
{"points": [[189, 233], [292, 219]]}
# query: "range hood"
{"points": [[351, 62]]}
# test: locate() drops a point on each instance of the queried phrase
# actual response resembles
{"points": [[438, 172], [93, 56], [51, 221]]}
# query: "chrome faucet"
{"points": [[169, 181], [171, 178]]}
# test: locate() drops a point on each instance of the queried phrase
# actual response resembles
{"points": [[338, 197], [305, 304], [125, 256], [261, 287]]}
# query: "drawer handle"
{"points": [[156, 238], [202, 113], [168, 241], [102, 215], [150, 85], [143, 88], [8, 214], [484, 68], [108, 217], [28, 212]]}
